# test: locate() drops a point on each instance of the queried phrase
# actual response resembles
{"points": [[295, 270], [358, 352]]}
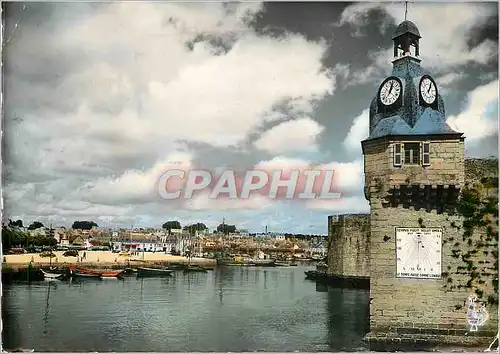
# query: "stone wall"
{"points": [[446, 165], [425, 304], [349, 240], [418, 306]]}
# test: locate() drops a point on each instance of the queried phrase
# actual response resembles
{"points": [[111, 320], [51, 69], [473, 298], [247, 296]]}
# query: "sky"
{"points": [[101, 99]]}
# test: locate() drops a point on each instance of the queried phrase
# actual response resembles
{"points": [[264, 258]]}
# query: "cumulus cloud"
{"points": [[104, 98], [294, 135], [479, 119], [358, 132], [109, 95]]}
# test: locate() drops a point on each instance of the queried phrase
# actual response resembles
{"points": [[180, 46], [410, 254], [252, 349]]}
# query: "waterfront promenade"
{"points": [[100, 258]]}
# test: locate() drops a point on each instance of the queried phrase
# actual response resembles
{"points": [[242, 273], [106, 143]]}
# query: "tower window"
{"points": [[412, 153], [397, 155], [425, 154]]}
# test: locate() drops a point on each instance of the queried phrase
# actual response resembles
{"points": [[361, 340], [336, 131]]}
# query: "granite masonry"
{"points": [[416, 176], [349, 240]]}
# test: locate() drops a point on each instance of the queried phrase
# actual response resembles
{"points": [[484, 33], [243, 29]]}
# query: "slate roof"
{"points": [[430, 122], [406, 27]]}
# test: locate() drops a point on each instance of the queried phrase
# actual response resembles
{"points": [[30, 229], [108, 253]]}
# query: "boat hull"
{"points": [[114, 274], [152, 272], [262, 262], [84, 273], [86, 276], [51, 276], [226, 261]]}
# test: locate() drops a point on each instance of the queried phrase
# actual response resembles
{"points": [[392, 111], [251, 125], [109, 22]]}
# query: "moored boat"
{"points": [[261, 262], [84, 273], [153, 272], [87, 275], [51, 276], [229, 261]]}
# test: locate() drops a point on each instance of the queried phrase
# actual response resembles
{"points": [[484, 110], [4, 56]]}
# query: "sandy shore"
{"points": [[105, 257]]}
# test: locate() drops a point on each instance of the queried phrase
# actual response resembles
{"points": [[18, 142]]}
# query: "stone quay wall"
{"points": [[349, 241]]}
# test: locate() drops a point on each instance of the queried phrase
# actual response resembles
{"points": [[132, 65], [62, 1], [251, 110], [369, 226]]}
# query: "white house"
{"points": [[38, 232], [165, 243]]}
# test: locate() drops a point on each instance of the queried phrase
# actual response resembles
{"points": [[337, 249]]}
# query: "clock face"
{"points": [[390, 92], [418, 253], [428, 90]]}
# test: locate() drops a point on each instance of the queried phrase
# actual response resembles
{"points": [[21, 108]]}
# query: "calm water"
{"points": [[229, 309]]}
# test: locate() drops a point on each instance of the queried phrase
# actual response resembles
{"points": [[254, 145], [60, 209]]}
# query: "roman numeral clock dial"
{"points": [[390, 91], [418, 253], [428, 90]]}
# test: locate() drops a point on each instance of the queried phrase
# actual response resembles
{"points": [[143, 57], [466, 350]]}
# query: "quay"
{"points": [[27, 266], [103, 259]]}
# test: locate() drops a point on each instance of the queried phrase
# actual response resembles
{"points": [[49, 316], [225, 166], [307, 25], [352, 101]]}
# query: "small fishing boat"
{"points": [[261, 262], [281, 264], [86, 275], [51, 276], [153, 272], [293, 264]]}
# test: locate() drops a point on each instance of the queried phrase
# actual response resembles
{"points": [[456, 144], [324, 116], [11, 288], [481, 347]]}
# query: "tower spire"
{"points": [[406, 9]]}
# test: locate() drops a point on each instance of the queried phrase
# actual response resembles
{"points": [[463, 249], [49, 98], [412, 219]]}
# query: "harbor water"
{"points": [[228, 309]]}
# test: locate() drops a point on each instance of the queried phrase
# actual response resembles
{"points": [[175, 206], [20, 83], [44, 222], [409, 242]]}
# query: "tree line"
{"points": [[13, 237], [176, 225], [35, 225]]}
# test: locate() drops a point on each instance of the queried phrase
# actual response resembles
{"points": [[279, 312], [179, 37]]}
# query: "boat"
{"points": [[153, 272], [84, 273], [87, 275], [227, 261], [51, 276], [112, 274], [261, 262], [281, 264], [293, 264]]}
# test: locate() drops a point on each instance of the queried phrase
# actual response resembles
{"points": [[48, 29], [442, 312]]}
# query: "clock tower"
{"points": [[414, 172]]}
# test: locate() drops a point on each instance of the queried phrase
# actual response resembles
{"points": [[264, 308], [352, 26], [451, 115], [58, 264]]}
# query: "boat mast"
{"points": [[223, 238], [50, 249], [130, 237]]}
